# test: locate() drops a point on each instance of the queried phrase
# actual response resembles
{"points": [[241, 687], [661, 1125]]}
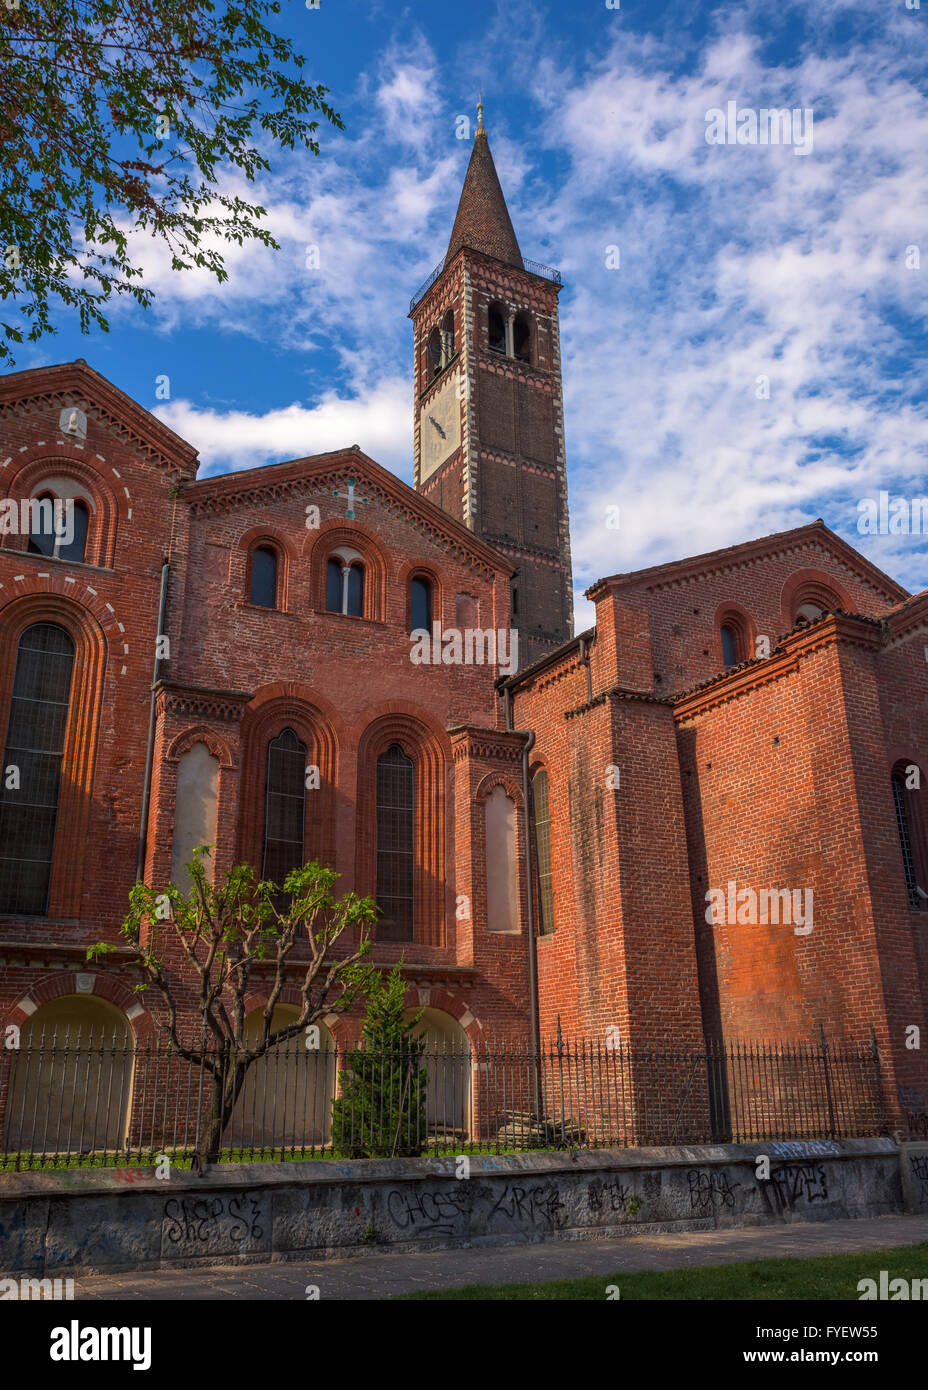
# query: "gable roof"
{"points": [[77, 384], [228, 491], [732, 556]]}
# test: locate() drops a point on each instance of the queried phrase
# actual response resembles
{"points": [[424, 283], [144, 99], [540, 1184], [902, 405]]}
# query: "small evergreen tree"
{"points": [[381, 1109]]}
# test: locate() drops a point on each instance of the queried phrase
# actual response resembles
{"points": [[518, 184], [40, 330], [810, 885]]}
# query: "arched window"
{"points": [[541, 824], [420, 605], [808, 612], [434, 353], [910, 824], [58, 527], [284, 805], [344, 586], [35, 748], [522, 338], [496, 329], [354, 590], [263, 586], [447, 337], [729, 646], [396, 818], [42, 538]]}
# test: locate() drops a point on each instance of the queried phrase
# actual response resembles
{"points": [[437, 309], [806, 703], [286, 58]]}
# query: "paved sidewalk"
{"points": [[377, 1276]]}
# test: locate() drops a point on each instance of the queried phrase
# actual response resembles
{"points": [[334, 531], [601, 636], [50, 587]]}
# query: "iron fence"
{"points": [[90, 1101]]}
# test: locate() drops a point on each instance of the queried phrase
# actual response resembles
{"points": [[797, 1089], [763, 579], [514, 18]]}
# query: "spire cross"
{"points": [[480, 110]]}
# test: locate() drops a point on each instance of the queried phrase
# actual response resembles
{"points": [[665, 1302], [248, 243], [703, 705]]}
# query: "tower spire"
{"points": [[482, 222]]}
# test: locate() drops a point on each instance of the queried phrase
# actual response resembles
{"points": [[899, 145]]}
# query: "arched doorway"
{"points": [[286, 1101], [450, 1069], [71, 1079]]}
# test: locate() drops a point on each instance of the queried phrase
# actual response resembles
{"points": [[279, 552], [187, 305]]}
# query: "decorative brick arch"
{"points": [[810, 586], [430, 751], [498, 779], [319, 545], [288, 705], [240, 561], [64, 461], [64, 982], [442, 1002], [81, 734], [200, 733]]}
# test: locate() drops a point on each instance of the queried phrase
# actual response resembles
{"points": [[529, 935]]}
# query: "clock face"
{"points": [[439, 428]]}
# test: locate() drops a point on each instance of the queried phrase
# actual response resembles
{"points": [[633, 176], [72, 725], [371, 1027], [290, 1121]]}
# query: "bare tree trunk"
{"points": [[226, 1089]]}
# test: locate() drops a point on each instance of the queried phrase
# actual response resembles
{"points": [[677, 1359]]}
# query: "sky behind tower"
{"points": [[742, 325]]}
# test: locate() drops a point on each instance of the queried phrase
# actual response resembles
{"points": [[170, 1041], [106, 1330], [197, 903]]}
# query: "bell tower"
{"points": [[489, 412]]}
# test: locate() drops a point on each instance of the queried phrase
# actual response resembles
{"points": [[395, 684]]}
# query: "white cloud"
{"points": [[380, 423]]}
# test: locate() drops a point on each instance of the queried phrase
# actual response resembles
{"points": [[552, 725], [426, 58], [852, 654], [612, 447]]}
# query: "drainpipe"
{"points": [[528, 745], [585, 658], [150, 751]]}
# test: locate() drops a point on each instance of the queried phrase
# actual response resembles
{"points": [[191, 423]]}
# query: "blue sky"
{"points": [[737, 262]]}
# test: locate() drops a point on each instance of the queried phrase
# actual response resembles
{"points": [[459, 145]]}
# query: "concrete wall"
{"points": [[82, 1221]]}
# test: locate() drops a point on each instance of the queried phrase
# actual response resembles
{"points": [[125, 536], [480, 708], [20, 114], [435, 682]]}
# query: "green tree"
{"points": [[381, 1110], [224, 933], [120, 114]]}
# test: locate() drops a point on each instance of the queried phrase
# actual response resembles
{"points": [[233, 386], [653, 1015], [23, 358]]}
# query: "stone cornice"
{"points": [[500, 745], [199, 702]]}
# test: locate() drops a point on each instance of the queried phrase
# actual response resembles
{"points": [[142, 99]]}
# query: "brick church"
{"points": [[701, 819]]}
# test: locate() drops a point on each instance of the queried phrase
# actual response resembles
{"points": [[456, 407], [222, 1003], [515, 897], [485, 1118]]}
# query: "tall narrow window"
{"points": [[284, 806], [263, 589], [396, 818], [42, 537], [35, 747], [729, 646], [434, 353], [522, 338], [447, 337], [354, 595], [74, 548], [496, 330], [908, 823], [333, 586], [542, 828], [420, 605]]}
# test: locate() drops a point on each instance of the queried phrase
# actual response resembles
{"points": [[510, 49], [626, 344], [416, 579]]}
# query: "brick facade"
{"points": [[672, 772]]}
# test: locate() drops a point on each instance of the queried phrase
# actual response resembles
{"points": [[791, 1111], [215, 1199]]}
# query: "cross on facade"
{"points": [[350, 498]]}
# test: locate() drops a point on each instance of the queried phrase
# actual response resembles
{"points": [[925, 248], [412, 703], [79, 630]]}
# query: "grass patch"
{"points": [[819, 1277]]}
